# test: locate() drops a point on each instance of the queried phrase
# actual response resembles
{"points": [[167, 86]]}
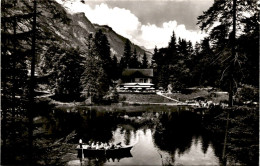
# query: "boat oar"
{"points": [[82, 154], [81, 147]]}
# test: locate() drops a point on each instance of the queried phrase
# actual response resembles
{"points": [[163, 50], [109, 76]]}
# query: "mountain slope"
{"points": [[117, 42], [75, 30]]}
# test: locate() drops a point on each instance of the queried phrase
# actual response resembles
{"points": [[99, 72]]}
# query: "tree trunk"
{"points": [[14, 58], [4, 79], [224, 159], [231, 87], [32, 86]]}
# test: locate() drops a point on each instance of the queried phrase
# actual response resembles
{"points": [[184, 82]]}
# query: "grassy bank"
{"points": [[131, 98], [143, 98], [215, 96]]}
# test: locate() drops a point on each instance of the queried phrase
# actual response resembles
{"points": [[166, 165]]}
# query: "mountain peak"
{"points": [[76, 32], [80, 14]]}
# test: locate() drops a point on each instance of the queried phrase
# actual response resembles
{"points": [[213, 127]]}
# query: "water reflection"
{"points": [[144, 152], [166, 137], [195, 156], [181, 136], [162, 135], [175, 131]]}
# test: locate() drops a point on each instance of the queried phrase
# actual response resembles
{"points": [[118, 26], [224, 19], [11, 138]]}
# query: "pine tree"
{"points": [[162, 69], [102, 47], [144, 61], [248, 45], [115, 69], [134, 63], [125, 60], [196, 68], [222, 11], [208, 70], [172, 44], [197, 48], [68, 76], [163, 76], [155, 57], [230, 14], [171, 55], [94, 80], [182, 48], [17, 49], [190, 49], [173, 60], [155, 65], [14, 53]]}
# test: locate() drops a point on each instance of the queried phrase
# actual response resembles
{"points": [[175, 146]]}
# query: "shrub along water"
{"points": [[242, 132]]}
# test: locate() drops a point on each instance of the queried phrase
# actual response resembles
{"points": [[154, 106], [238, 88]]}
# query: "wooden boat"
{"points": [[119, 152]]}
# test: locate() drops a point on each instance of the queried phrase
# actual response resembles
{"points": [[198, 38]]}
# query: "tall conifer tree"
{"points": [[144, 61], [125, 60], [134, 63]]}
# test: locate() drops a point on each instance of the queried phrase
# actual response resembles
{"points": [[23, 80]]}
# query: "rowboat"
{"points": [[119, 152]]}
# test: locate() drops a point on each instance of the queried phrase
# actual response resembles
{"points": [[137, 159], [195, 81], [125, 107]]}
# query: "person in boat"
{"points": [[112, 146], [97, 145], [106, 146], [118, 145], [109, 145], [93, 146], [88, 145], [80, 143], [101, 145]]}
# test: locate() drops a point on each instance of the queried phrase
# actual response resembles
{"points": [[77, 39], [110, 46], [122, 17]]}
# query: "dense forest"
{"points": [[73, 73], [230, 53]]}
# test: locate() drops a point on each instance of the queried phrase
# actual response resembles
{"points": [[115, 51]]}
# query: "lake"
{"points": [[161, 135]]}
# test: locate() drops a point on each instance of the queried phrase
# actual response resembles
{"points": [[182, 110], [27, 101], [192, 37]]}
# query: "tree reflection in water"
{"points": [[171, 131], [162, 135], [175, 132]]}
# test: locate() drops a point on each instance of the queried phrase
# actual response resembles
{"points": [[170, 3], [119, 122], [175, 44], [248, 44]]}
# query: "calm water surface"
{"points": [[145, 152], [160, 135]]}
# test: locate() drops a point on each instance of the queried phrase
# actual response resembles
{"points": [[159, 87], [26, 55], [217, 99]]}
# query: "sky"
{"points": [[147, 23]]}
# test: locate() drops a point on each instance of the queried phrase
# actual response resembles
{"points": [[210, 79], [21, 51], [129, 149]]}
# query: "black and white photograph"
{"points": [[129, 82]]}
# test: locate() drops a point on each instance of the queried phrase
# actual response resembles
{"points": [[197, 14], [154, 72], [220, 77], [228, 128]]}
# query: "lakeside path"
{"points": [[148, 103], [177, 101], [150, 99]]}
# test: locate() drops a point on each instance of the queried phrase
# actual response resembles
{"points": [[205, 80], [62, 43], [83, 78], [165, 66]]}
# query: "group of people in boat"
{"points": [[99, 145]]}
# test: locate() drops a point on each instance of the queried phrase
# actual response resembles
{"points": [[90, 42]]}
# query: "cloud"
{"points": [[121, 20], [125, 23], [162, 35]]}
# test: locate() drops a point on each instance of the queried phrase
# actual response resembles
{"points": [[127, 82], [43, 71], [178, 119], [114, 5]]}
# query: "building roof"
{"points": [[137, 73], [141, 85]]}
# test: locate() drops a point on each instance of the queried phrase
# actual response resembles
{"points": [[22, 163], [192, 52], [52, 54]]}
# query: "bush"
{"points": [[112, 96], [123, 98], [247, 93]]}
